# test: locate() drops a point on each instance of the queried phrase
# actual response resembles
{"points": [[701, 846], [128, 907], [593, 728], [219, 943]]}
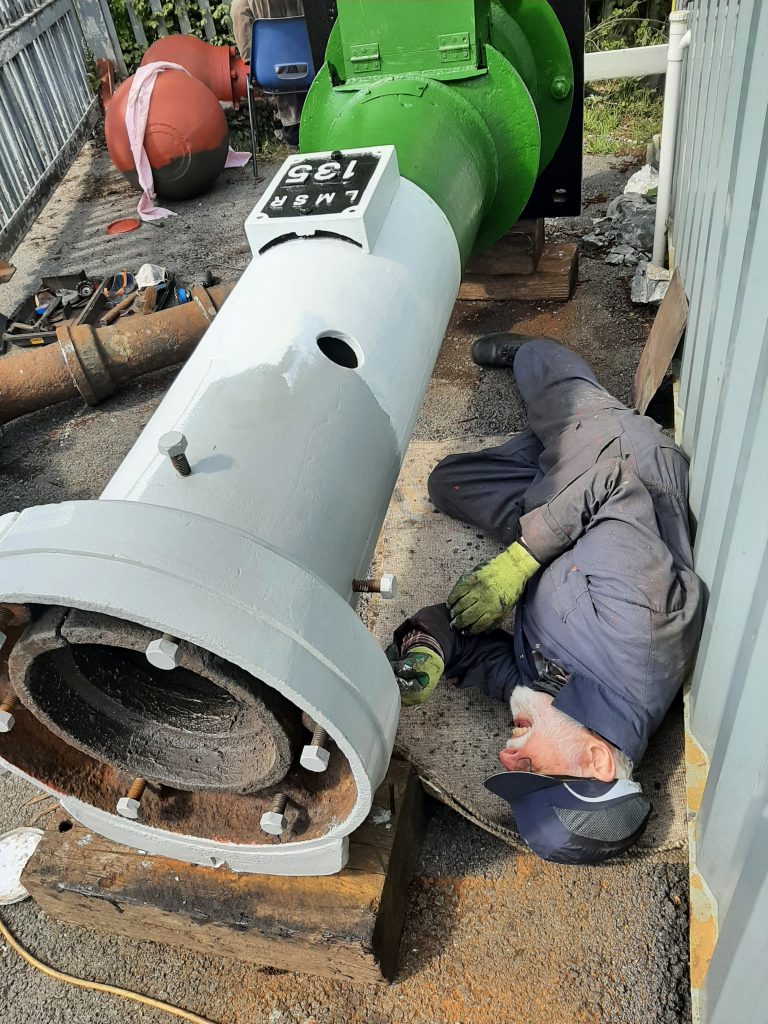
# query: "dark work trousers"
{"points": [[599, 495]]}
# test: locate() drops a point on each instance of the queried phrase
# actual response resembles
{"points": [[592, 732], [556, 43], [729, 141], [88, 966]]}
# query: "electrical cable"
{"points": [[97, 986]]}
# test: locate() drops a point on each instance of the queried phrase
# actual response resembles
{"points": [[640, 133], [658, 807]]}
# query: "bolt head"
{"points": [[164, 653], [314, 759], [272, 823], [388, 586], [7, 721], [561, 88], [128, 808], [173, 443]]}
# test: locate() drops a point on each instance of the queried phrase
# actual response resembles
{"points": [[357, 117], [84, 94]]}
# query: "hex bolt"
{"points": [[174, 445], [315, 756], [560, 88], [386, 586], [274, 822], [128, 806], [164, 652], [7, 721]]}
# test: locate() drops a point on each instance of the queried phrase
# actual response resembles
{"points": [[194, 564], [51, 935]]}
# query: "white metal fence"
{"points": [[720, 239], [45, 105]]}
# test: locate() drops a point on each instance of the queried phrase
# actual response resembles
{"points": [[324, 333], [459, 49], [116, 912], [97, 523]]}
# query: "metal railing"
{"points": [[46, 104]]}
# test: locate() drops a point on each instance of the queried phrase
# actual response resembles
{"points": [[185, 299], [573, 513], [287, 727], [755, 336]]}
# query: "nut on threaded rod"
{"points": [[273, 822], [164, 652], [386, 586], [315, 756], [174, 445], [7, 705], [128, 806]]}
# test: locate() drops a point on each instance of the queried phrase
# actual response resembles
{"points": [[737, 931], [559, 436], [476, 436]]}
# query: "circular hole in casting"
{"points": [[340, 349], [65, 826]]}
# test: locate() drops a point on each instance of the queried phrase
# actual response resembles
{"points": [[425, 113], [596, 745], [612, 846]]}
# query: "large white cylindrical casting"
{"points": [[297, 408], [299, 402]]}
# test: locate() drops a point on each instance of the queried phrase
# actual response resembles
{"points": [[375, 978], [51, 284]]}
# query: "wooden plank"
{"points": [[138, 29], [518, 252], [157, 10], [554, 280], [208, 24], [346, 925], [666, 333], [183, 15], [7, 270]]}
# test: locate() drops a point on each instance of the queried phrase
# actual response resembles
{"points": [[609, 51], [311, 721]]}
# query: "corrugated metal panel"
{"points": [[45, 104], [720, 235]]}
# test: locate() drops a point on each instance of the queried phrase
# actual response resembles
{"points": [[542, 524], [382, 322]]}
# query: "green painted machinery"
{"points": [[474, 94]]}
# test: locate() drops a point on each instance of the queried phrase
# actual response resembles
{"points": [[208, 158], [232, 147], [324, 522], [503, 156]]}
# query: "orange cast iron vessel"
{"points": [[218, 67], [186, 138]]}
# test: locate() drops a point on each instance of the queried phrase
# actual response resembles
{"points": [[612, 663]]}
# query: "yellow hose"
{"points": [[96, 986]]}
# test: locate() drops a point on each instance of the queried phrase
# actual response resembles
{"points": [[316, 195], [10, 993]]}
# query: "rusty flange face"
{"points": [[206, 725]]}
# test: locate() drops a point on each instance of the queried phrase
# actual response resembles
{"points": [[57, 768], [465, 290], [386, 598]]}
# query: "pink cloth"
{"points": [[136, 113]]}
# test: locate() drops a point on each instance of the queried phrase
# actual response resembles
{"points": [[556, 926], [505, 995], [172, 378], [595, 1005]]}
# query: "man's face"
{"points": [[542, 740]]}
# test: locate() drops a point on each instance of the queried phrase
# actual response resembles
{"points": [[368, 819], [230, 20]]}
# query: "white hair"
{"points": [[569, 735]]}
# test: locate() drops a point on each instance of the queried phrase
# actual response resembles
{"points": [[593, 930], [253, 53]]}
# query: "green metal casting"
{"points": [[474, 94]]}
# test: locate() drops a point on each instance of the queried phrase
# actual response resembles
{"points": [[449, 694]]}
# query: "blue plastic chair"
{"points": [[281, 61]]}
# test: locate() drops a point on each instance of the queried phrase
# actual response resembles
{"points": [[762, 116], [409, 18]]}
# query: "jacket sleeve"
{"points": [[552, 528], [486, 661]]}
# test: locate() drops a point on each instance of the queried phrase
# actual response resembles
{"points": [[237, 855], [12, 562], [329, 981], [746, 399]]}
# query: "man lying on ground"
{"points": [[591, 504]]}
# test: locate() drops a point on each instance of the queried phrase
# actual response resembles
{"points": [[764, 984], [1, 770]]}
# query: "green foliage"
{"points": [[621, 117], [149, 20], [615, 24]]}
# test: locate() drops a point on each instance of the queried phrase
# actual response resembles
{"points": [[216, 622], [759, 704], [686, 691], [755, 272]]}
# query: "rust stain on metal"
{"points": [[703, 927], [316, 800], [703, 932]]}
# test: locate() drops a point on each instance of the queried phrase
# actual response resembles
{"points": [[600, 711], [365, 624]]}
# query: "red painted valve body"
{"points": [[186, 138], [218, 67]]}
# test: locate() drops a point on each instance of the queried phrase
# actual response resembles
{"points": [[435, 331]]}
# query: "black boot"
{"points": [[498, 351]]}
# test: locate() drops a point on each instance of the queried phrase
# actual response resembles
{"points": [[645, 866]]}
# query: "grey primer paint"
{"points": [[719, 234]]}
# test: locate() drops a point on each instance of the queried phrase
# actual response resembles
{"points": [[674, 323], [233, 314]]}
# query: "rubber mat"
{"points": [[454, 739]]}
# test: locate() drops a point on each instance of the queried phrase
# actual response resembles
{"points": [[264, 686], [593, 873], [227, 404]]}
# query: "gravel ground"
{"points": [[490, 936]]}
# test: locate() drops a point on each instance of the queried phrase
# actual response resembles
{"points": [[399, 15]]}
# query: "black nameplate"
{"points": [[322, 185]]}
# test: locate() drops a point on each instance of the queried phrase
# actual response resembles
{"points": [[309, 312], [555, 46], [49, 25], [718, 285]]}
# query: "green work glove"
{"points": [[481, 598], [417, 673]]}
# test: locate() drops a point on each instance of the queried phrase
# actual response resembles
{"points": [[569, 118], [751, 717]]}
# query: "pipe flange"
{"points": [[207, 725], [85, 364], [203, 299]]}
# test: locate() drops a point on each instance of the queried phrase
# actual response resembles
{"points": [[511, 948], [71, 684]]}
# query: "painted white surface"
{"points": [[679, 41], [636, 62], [362, 223], [294, 459]]}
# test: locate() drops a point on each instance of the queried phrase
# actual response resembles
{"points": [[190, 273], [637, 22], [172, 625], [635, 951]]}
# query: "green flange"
{"points": [[474, 96]]}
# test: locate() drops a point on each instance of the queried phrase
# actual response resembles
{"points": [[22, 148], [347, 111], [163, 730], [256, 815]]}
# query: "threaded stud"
{"points": [[274, 821], [7, 705], [128, 805], [385, 585], [174, 445]]}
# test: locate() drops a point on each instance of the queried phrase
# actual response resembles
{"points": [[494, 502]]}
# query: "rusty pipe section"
{"points": [[94, 362]]}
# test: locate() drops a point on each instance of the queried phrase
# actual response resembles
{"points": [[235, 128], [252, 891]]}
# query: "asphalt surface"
{"points": [[490, 936]]}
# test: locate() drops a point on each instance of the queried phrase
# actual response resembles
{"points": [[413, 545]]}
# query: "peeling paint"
{"points": [[703, 907]]}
